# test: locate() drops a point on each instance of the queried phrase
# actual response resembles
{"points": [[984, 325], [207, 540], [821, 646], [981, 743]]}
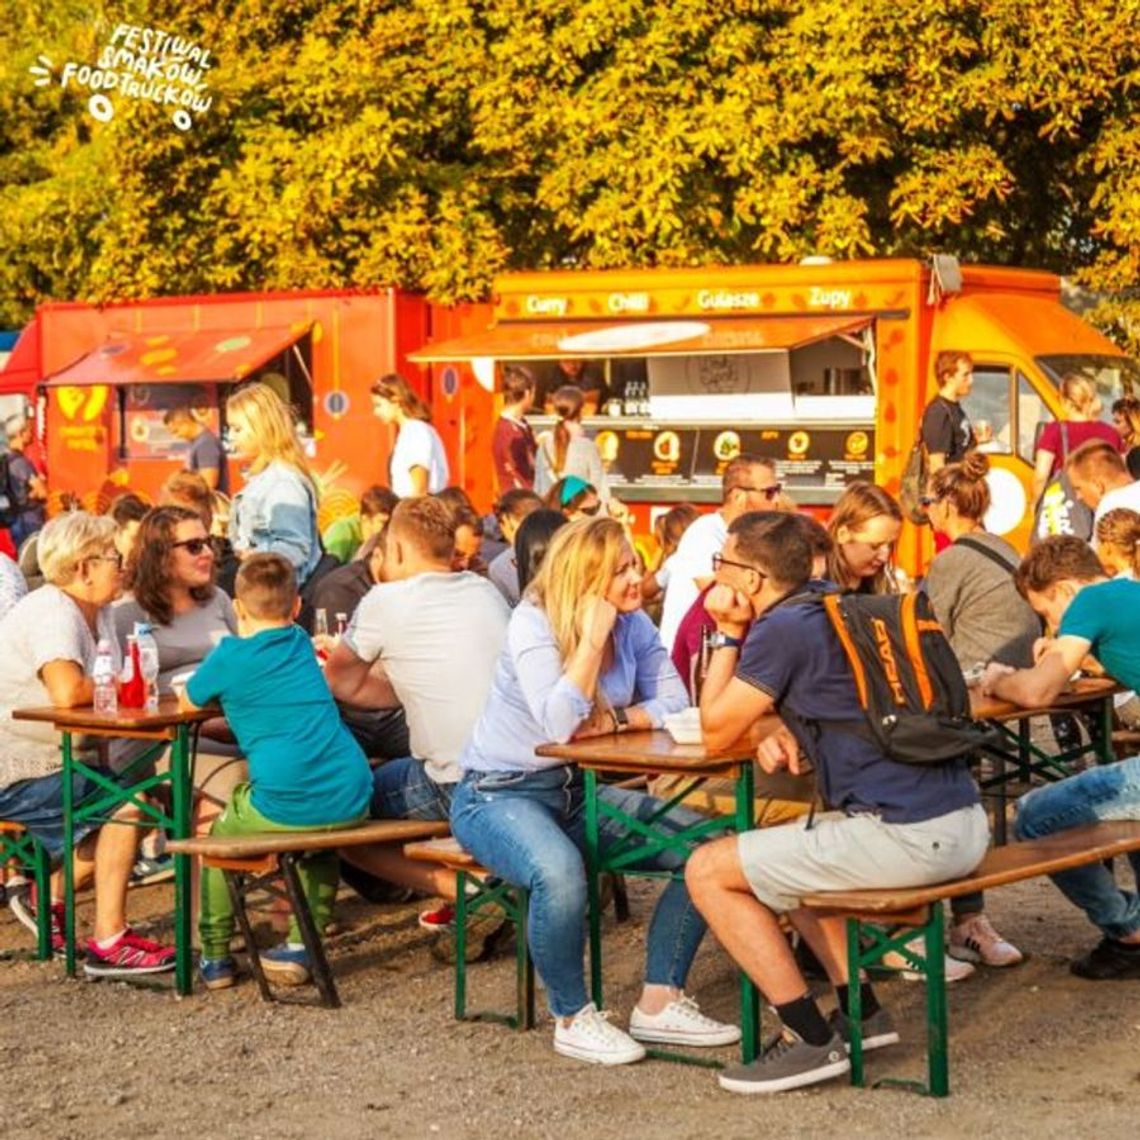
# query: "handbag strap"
{"points": [[989, 552]]}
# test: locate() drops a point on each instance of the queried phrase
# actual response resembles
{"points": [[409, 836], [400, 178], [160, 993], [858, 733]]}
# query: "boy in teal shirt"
{"points": [[305, 769]]}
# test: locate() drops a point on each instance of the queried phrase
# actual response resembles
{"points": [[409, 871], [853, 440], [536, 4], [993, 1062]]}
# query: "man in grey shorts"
{"points": [[890, 824]]}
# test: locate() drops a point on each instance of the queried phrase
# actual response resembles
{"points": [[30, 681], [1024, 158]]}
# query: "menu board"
{"points": [[674, 455]]}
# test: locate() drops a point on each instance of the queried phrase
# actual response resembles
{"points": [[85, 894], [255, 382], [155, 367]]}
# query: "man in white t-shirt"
{"points": [[428, 639], [1101, 481], [749, 484]]}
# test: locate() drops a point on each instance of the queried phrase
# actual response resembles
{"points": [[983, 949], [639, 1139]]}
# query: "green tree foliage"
{"points": [[434, 143]]}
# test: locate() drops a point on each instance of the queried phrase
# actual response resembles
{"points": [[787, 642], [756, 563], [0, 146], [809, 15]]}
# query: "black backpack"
{"points": [[915, 701]]}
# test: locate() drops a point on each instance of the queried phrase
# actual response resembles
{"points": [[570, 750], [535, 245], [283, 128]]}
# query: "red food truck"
{"points": [[102, 377]]}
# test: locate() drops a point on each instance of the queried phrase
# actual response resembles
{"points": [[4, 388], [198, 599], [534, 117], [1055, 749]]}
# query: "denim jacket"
{"points": [[276, 512]]}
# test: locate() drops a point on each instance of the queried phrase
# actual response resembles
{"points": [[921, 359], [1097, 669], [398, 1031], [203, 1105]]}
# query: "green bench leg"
{"points": [[937, 1018], [516, 903]]}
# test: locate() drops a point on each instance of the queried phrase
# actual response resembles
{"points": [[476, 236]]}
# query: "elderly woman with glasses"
{"points": [[51, 638]]}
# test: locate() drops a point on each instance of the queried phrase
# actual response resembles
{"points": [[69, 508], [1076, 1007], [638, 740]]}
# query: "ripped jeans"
{"points": [[1108, 792], [529, 828]]}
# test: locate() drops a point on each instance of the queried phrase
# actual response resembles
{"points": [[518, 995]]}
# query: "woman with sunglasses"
{"points": [[171, 578], [574, 497], [51, 639], [581, 659], [970, 585], [864, 527]]}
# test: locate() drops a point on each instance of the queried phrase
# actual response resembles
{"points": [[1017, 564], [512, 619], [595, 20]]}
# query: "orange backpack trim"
{"points": [[910, 632], [831, 605]]}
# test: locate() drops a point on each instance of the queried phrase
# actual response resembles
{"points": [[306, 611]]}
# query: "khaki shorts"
{"points": [[841, 852]]}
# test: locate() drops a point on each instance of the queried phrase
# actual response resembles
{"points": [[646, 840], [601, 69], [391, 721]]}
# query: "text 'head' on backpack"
{"points": [[915, 702]]}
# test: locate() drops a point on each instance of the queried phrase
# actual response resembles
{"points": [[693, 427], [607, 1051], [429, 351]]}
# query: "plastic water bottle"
{"points": [[148, 664], [106, 696]]}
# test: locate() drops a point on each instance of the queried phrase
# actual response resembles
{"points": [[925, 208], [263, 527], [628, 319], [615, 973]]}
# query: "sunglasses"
{"points": [[719, 560], [591, 511], [194, 546], [769, 493], [928, 500]]}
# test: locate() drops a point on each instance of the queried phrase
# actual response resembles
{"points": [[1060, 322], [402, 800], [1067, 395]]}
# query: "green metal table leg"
{"points": [[749, 994], [460, 944], [593, 858], [1105, 753], [938, 1061], [180, 801], [41, 862], [68, 856], [854, 1009]]}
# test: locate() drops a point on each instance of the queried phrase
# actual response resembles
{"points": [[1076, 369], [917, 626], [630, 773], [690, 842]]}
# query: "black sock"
{"points": [[803, 1018], [870, 1002]]}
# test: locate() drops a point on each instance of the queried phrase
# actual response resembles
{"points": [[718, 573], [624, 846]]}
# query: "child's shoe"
{"points": [[217, 973], [130, 954], [286, 966]]}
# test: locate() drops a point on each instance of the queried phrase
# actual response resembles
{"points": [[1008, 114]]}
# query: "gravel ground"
{"points": [[1034, 1051]]}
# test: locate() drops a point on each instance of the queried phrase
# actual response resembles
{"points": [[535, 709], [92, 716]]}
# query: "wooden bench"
{"points": [[879, 921], [256, 862], [476, 892], [20, 846]]}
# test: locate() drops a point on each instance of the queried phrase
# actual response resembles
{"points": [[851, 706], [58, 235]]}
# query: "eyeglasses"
{"points": [[116, 558], [719, 560], [769, 493], [194, 546]]}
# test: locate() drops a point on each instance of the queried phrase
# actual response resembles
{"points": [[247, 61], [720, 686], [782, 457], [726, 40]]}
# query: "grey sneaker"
{"points": [[788, 1063], [878, 1029]]}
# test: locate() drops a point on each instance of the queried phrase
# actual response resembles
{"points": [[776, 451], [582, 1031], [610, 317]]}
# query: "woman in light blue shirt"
{"points": [[581, 659], [276, 511]]}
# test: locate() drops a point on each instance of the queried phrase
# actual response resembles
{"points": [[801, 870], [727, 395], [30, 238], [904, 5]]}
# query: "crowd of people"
{"points": [[462, 643]]}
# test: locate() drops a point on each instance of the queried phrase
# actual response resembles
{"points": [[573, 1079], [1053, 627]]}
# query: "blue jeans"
{"points": [[402, 789], [529, 828], [38, 805], [1105, 793]]}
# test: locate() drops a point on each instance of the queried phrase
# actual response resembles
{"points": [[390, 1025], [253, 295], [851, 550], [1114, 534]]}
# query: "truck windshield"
{"points": [[1114, 376]]}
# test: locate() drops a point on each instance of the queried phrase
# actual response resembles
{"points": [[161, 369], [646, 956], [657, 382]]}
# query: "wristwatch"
{"points": [[621, 720], [720, 640]]}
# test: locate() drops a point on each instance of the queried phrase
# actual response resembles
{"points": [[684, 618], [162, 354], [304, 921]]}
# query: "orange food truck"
{"points": [[824, 366]]}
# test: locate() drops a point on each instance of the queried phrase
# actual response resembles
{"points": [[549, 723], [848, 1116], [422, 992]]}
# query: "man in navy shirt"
{"points": [[889, 824], [205, 455]]}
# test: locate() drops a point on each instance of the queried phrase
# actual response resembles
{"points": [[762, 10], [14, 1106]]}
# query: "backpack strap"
{"points": [[835, 614], [989, 553]]}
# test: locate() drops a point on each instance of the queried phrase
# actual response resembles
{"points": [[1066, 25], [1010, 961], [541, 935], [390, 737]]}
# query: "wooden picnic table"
{"points": [[1018, 758], [169, 725]]}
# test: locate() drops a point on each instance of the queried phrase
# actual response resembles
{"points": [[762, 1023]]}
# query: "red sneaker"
{"points": [[438, 919], [22, 903], [129, 955]]}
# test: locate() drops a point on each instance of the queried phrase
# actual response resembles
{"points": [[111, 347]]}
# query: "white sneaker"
{"points": [[956, 971], [591, 1038], [975, 940], [681, 1023]]}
